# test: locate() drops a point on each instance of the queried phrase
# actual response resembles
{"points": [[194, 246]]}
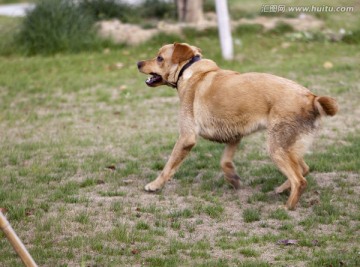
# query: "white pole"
{"points": [[224, 29]]}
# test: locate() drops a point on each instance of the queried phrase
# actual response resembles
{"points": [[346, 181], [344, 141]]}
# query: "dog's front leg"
{"points": [[180, 151]]}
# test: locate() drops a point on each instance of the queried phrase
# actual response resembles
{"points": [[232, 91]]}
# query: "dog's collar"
{"points": [[187, 65]]}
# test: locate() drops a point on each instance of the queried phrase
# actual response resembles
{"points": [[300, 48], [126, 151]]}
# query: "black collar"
{"points": [[187, 65]]}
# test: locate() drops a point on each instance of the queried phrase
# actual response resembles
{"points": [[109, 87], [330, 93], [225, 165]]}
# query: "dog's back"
{"points": [[233, 104]]}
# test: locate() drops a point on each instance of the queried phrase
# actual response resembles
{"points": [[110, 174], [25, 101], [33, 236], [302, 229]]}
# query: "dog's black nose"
{"points": [[140, 64]]}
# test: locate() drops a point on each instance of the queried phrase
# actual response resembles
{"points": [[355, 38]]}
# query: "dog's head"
{"points": [[165, 67]]}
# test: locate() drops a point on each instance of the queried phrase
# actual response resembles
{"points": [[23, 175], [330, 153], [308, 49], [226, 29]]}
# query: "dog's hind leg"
{"points": [[304, 167], [227, 164], [288, 140], [287, 185], [290, 167]]}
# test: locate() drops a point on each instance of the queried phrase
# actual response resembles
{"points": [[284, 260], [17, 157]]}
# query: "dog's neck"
{"points": [[187, 65]]}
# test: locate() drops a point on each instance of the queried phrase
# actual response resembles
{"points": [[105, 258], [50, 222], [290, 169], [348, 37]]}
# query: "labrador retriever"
{"points": [[225, 106]]}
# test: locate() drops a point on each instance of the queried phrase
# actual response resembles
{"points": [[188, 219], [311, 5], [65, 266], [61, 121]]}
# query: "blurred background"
{"points": [[48, 27]]}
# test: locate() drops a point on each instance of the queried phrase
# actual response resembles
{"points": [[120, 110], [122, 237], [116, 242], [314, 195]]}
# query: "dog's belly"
{"points": [[226, 130]]}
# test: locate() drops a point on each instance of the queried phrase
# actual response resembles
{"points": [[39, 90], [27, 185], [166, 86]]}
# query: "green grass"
{"points": [[280, 214], [13, 1], [248, 252], [112, 9], [62, 26], [251, 215], [56, 26], [326, 162], [64, 119]]}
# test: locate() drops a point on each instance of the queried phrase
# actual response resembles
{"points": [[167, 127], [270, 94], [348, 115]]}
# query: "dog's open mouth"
{"points": [[154, 79]]}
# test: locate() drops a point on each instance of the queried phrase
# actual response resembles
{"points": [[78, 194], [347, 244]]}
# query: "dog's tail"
{"points": [[326, 106]]}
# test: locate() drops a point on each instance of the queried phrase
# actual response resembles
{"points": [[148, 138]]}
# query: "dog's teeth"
{"points": [[148, 79]]}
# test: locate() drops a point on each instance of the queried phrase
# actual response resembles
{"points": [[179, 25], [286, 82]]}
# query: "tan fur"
{"points": [[224, 106]]}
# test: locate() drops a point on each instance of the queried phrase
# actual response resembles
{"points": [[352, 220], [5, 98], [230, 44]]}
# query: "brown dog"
{"points": [[224, 106]]}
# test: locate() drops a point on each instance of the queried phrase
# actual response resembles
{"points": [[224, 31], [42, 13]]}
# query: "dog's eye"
{"points": [[159, 59]]}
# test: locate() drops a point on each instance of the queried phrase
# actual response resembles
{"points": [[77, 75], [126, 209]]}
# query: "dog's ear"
{"points": [[182, 52], [199, 51]]}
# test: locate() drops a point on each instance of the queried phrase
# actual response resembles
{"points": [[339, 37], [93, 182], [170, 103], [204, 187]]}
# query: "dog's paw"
{"points": [[278, 190], [282, 188], [283, 207], [234, 181], [152, 187]]}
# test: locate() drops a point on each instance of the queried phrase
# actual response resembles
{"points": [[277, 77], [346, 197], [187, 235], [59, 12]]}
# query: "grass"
{"points": [[56, 26], [13, 1], [280, 214], [65, 119], [112, 9], [251, 215]]}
